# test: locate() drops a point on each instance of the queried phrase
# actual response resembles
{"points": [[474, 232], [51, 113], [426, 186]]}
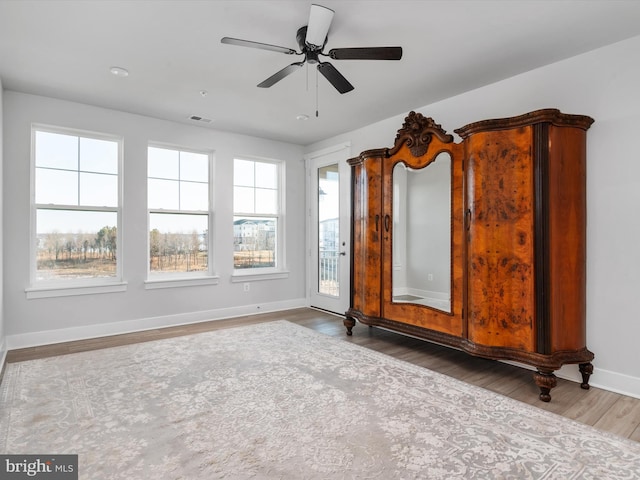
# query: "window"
{"points": [[178, 202], [257, 220], [76, 207]]}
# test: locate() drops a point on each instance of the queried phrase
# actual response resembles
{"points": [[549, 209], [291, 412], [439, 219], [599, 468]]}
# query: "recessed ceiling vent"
{"points": [[197, 118]]}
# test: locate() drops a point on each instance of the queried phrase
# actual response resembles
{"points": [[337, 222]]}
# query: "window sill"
{"points": [[69, 290], [239, 277], [166, 282]]}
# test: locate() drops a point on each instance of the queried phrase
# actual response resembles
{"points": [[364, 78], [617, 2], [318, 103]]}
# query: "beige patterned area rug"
{"points": [[280, 401]]}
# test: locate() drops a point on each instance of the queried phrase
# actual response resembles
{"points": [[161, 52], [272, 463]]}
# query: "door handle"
{"points": [[387, 223], [343, 253], [377, 221]]}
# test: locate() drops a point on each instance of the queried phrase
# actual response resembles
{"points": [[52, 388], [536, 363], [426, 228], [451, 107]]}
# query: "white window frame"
{"points": [[280, 270], [81, 286], [157, 280]]}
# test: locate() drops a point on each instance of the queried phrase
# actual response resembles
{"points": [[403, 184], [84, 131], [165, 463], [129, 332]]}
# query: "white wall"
{"points": [[602, 84], [3, 345], [48, 320]]}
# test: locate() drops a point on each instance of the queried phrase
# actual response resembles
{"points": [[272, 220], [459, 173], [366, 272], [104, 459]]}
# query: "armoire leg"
{"points": [[586, 369], [349, 323], [545, 381]]}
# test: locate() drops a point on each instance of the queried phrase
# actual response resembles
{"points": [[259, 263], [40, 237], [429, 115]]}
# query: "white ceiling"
{"points": [[172, 50]]}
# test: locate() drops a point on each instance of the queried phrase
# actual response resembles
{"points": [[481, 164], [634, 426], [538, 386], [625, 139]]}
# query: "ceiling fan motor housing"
{"points": [[311, 51]]}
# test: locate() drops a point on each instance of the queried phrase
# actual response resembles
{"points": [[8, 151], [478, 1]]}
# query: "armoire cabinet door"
{"points": [[428, 236], [500, 239], [366, 236], [526, 219]]}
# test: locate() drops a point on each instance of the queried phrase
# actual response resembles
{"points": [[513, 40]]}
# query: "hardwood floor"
{"points": [[602, 409]]}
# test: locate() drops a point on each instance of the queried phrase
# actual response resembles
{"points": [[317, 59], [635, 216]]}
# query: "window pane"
{"points": [[56, 187], [163, 194], [194, 196], [254, 242], [266, 201], [178, 242], [98, 155], [266, 175], [194, 167], [255, 192], [243, 173], [56, 150], [328, 230], [243, 199], [98, 190], [74, 244], [163, 163]]}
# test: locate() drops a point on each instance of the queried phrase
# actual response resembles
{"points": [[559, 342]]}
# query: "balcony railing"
{"points": [[329, 272]]}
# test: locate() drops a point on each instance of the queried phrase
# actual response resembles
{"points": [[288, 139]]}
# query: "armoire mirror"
{"points": [[422, 234]]}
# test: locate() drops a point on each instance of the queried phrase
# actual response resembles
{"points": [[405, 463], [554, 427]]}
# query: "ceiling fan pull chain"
{"points": [[316, 93]]}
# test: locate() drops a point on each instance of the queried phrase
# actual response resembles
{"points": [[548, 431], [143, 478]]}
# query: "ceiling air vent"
{"points": [[197, 118]]}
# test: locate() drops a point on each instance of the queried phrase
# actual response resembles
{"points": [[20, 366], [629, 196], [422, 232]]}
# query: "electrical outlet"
{"points": [[430, 277], [246, 287]]}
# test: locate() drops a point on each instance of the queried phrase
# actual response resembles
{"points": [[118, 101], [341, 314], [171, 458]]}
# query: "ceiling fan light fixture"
{"points": [[319, 21]]}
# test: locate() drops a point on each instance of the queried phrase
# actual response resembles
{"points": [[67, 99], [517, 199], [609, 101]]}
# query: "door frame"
{"points": [[313, 160]]}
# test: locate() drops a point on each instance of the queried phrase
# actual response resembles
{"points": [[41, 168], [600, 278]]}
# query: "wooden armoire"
{"points": [[479, 245]]}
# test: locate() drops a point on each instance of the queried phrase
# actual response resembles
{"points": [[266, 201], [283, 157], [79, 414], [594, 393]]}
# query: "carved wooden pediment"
{"points": [[417, 132]]}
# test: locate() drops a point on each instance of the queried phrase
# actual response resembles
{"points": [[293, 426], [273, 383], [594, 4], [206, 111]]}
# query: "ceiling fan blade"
{"points": [[319, 22], [262, 46], [370, 53], [335, 77], [276, 77]]}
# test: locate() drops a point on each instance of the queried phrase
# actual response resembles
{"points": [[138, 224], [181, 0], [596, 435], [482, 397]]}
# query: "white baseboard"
{"points": [[3, 357], [49, 337], [604, 379], [616, 382]]}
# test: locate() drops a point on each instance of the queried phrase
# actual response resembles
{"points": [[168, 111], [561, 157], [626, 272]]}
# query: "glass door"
{"points": [[329, 244]]}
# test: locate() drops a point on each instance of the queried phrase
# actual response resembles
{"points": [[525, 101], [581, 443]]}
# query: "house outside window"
{"points": [[75, 208], [178, 187], [258, 218]]}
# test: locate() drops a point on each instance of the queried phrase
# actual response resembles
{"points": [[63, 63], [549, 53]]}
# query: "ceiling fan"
{"points": [[312, 39]]}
